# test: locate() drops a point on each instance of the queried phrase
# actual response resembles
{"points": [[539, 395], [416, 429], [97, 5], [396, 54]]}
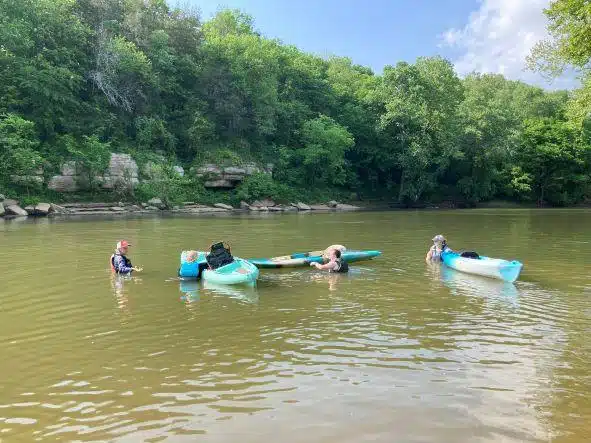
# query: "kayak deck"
{"points": [[485, 266], [239, 271], [305, 258]]}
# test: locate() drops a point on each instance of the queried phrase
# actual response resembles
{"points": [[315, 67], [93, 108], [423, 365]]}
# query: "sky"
{"points": [[476, 35]]}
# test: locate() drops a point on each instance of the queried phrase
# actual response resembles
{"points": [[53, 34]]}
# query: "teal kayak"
{"points": [[238, 272], [305, 258], [507, 270]]}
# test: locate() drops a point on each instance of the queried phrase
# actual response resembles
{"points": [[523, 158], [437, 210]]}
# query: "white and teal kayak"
{"points": [[485, 266], [305, 258], [238, 272]]}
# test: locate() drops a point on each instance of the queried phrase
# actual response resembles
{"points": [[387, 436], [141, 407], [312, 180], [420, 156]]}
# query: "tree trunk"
{"points": [[401, 191]]}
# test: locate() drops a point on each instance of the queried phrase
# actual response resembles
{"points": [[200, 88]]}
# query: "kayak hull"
{"points": [[238, 272], [484, 266], [305, 258]]}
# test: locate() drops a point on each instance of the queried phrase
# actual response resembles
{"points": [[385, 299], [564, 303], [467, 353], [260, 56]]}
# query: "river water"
{"points": [[396, 351]]}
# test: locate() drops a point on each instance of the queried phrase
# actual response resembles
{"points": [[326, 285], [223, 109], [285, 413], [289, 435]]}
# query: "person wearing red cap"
{"points": [[120, 264]]}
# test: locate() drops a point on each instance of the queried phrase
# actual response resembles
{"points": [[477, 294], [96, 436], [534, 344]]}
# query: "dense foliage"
{"points": [[81, 78]]}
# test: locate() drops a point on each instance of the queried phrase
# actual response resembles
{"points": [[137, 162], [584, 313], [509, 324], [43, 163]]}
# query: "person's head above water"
{"points": [[439, 240], [191, 256], [122, 246]]}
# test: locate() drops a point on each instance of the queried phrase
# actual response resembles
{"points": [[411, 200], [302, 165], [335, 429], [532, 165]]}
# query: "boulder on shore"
{"points": [[319, 207], [15, 210], [42, 209], [244, 205], [30, 209], [303, 207], [9, 202], [1, 210], [58, 209], [223, 206], [155, 202], [332, 204], [268, 203]]}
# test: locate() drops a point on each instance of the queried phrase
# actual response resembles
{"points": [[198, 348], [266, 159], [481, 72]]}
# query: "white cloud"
{"points": [[498, 37]]}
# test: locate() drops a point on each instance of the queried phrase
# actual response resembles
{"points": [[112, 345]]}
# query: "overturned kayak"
{"points": [[238, 272], [305, 258], [485, 266]]}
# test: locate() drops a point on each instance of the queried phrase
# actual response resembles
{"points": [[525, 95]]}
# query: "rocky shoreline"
{"points": [[10, 208]]}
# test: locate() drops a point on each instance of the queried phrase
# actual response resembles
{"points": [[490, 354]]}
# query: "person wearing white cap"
{"points": [[438, 248]]}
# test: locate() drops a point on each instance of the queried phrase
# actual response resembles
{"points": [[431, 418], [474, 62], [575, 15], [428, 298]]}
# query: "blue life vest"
{"points": [[189, 269]]}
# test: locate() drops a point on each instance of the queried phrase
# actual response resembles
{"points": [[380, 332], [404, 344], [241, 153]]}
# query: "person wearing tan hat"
{"points": [[438, 248], [120, 264]]}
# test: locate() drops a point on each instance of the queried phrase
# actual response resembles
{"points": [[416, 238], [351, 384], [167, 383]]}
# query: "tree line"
{"points": [[82, 78]]}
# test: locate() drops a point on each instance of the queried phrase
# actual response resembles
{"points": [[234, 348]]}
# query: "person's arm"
{"points": [[429, 256], [328, 266]]}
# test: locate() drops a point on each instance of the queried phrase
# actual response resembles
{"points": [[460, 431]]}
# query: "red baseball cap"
{"points": [[123, 244]]}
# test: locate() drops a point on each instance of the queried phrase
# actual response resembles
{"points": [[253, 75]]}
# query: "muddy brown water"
{"points": [[395, 351]]}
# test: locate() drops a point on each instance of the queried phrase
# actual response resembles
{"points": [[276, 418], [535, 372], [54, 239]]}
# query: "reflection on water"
{"points": [[193, 289], [468, 284], [395, 350]]}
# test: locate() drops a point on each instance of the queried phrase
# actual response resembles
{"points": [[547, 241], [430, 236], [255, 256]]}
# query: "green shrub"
{"points": [[259, 185], [170, 187]]}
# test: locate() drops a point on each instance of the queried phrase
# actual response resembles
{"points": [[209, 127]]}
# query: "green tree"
{"points": [[320, 159], [91, 157], [421, 121], [553, 157], [19, 142]]}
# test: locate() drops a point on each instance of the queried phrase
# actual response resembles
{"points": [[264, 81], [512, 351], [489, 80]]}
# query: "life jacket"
{"points": [[437, 255], [126, 262], [192, 270], [342, 266], [219, 256]]}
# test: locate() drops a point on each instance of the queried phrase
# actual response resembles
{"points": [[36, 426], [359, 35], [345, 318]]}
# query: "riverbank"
{"points": [[10, 208]]}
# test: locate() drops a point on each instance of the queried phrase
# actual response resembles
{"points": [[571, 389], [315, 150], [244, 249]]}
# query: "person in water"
{"points": [[438, 248], [120, 264], [335, 264]]}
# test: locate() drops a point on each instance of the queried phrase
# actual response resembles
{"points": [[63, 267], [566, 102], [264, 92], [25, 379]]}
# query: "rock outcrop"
{"points": [[15, 210], [228, 176], [121, 173], [156, 202], [42, 209], [223, 206], [302, 206], [9, 202]]}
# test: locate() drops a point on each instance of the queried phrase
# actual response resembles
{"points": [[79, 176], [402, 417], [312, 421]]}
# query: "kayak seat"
{"points": [[470, 254], [219, 256]]}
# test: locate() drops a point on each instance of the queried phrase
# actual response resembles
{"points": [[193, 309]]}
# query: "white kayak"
{"points": [[487, 267]]}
